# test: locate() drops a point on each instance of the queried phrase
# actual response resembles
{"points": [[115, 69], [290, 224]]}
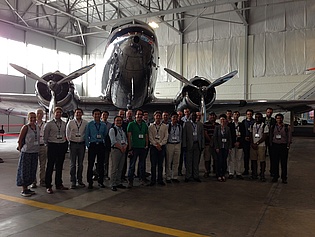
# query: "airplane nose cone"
{"points": [[136, 39]]}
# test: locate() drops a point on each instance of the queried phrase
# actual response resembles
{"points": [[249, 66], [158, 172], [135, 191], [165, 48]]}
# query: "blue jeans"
{"points": [[141, 153], [156, 158]]}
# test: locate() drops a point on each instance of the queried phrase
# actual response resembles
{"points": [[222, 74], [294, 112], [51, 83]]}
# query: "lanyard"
{"points": [[139, 126], [40, 126], [257, 129], [98, 127], [35, 131], [223, 131], [194, 126], [78, 126], [157, 130], [174, 129], [279, 130], [59, 127], [120, 133]]}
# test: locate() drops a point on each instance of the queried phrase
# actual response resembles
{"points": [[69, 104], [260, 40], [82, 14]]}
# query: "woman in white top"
{"points": [[28, 145]]}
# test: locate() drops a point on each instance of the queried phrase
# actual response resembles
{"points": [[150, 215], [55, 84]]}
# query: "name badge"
{"points": [[257, 135], [224, 140], [157, 136], [278, 136], [59, 137], [174, 139], [141, 136], [98, 136], [194, 133], [238, 134], [78, 135], [36, 143], [122, 142]]}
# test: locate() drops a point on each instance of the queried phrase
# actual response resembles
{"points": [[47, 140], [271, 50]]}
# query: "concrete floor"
{"points": [[236, 208]]}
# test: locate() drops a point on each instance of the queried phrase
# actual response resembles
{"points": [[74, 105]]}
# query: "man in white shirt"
{"points": [[75, 133], [42, 154], [258, 134]]}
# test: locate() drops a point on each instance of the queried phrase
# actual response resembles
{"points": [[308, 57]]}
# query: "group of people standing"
{"points": [[235, 145], [170, 141]]}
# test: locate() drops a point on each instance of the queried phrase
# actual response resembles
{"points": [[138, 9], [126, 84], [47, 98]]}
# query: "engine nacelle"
{"points": [[66, 96], [189, 97]]}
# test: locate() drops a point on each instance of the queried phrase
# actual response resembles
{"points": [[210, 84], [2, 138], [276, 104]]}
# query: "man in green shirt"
{"points": [[138, 143]]}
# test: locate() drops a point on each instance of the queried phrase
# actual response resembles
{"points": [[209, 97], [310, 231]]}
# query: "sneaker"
{"points": [[25, 194], [33, 185], [49, 190], [31, 191]]}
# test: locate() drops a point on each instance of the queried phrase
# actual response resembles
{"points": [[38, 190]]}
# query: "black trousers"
{"points": [[280, 154], [246, 149], [96, 150], [56, 156]]}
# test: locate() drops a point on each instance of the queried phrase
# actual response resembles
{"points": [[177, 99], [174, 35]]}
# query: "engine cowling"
{"points": [[189, 97], [66, 96]]}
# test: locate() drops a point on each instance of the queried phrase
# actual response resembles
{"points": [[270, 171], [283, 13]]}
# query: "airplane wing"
{"points": [[18, 104], [296, 106]]}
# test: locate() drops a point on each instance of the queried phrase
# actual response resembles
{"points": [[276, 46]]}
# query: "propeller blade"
{"points": [[222, 79], [203, 109], [180, 78], [52, 105], [76, 74], [28, 73]]}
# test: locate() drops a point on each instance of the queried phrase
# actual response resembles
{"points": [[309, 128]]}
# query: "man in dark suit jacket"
{"points": [[193, 142]]}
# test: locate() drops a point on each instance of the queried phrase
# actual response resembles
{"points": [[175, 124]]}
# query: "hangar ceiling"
{"points": [[74, 20]]}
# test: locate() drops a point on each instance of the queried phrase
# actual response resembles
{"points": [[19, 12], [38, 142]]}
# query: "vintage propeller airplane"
{"points": [[128, 81]]}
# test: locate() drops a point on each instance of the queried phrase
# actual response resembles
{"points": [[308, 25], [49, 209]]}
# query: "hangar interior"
{"points": [[270, 42]]}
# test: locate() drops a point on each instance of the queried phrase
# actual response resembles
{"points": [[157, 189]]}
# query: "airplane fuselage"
{"points": [[130, 71]]}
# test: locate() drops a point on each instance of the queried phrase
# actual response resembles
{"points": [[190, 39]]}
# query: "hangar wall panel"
{"points": [[9, 32], [40, 40], [68, 47]]}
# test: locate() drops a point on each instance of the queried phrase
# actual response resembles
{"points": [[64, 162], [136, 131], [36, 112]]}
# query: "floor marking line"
{"points": [[103, 217]]}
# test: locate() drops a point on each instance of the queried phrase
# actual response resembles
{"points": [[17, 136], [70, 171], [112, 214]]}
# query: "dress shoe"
{"points": [[90, 186], [81, 184], [245, 173], [274, 180], [284, 181], [175, 180], [151, 184], [168, 181], [61, 187], [101, 185], [231, 176], [73, 186], [186, 180], [130, 184], [197, 180], [161, 183], [239, 177], [114, 188], [121, 186]]}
